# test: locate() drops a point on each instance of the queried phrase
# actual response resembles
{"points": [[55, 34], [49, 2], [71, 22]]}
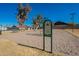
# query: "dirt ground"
{"points": [[63, 43], [74, 31], [10, 48]]}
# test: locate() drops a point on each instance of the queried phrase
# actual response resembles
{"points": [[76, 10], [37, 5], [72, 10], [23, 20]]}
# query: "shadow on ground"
{"points": [[34, 34]]}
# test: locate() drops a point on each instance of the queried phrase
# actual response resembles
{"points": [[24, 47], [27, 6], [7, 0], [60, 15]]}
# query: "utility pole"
{"points": [[72, 19]]}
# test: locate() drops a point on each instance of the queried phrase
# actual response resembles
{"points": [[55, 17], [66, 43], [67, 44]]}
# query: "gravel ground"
{"points": [[64, 43]]}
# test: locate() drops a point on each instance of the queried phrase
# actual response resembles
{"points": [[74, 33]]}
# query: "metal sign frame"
{"points": [[45, 35]]}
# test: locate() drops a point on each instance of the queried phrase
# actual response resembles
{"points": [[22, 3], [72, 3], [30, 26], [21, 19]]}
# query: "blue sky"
{"points": [[53, 11]]}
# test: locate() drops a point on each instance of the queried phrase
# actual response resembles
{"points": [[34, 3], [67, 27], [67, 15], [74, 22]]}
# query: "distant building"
{"points": [[3, 28], [24, 27]]}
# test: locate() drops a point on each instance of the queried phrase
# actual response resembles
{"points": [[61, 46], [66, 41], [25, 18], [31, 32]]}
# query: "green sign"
{"points": [[48, 29], [47, 32]]}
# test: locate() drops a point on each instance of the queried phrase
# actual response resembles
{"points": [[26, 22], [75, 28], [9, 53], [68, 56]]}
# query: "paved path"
{"points": [[63, 42]]}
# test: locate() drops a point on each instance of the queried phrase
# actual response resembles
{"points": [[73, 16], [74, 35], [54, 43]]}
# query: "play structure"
{"points": [[37, 22], [22, 15]]}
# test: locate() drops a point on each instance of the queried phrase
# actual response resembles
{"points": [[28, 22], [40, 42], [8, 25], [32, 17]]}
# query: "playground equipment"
{"points": [[37, 22], [22, 14]]}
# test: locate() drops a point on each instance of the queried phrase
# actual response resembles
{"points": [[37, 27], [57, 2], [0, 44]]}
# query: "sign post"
{"points": [[47, 33]]}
